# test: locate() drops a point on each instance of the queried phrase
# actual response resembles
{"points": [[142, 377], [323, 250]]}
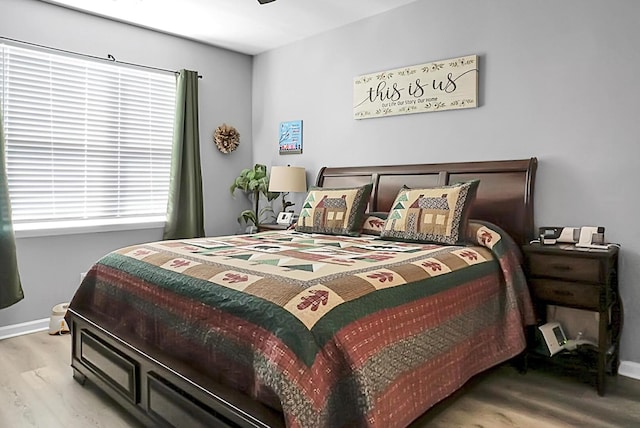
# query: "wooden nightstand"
{"points": [[272, 226], [564, 275]]}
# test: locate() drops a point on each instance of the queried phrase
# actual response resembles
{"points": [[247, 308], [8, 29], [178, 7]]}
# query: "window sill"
{"points": [[35, 230]]}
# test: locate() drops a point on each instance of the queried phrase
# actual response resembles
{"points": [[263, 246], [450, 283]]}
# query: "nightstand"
{"points": [[272, 226], [564, 275]]}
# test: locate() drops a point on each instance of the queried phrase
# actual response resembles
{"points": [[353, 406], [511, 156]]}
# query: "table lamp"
{"points": [[285, 179]]}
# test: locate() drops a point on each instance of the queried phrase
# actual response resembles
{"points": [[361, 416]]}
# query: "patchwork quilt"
{"points": [[332, 330]]}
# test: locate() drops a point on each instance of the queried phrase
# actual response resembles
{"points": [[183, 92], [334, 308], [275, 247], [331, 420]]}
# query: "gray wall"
{"points": [[558, 80], [50, 266]]}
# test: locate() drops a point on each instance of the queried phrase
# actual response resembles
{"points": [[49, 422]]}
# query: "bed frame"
{"points": [[160, 391]]}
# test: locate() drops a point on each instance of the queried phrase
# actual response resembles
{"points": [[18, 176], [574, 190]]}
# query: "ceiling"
{"points": [[240, 25]]}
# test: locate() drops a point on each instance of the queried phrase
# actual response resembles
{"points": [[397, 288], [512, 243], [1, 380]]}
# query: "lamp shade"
{"points": [[287, 179]]}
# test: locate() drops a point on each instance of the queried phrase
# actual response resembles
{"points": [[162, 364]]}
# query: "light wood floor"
{"points": [[37, 390]]}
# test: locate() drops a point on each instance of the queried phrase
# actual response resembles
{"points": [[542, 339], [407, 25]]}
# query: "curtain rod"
{"points": [[109, 57]]}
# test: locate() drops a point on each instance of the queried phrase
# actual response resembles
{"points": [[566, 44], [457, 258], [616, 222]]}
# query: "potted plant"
{"points": [[254, 182]]}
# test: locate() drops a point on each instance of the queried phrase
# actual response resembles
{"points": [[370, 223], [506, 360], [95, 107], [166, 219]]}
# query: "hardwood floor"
{"points": [[37, 390]]}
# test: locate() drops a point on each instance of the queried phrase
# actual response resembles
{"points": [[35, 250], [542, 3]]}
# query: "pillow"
{"points": [[334, 211], [435, 215], [374, 223]]}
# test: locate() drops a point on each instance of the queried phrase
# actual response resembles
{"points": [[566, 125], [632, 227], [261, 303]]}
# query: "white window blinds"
{"points": [[87, 142]]}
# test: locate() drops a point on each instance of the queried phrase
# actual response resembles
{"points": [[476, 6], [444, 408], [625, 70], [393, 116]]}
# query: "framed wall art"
{"points": [[290, 141], [448, 84]]}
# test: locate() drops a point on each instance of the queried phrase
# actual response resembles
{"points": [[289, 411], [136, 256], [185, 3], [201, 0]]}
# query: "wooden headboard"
{"points": [[504, 197]]}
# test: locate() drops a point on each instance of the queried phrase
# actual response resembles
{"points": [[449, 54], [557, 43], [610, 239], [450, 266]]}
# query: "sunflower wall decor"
{"points": [[227, 138]]}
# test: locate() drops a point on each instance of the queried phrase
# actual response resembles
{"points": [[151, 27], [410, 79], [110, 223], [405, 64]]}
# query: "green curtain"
{"points": [[10, 287], [185, 218]]}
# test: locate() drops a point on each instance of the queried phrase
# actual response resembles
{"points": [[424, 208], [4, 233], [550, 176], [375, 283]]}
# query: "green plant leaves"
{"points": [[254, 182]]}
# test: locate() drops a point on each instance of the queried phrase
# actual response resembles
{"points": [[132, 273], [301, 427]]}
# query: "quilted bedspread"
{"points": [[334, 331]]}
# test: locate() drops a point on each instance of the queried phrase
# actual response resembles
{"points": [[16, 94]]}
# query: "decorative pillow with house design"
{"points": [[436, 215], [334, 211]]}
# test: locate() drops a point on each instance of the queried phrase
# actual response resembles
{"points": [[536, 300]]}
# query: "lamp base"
{"points": [[286, 204]]}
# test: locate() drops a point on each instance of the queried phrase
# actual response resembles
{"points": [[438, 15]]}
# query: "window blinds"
{"points": [[86, 141]]}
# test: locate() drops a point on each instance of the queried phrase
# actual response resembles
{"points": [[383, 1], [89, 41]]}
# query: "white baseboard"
{"points": [[24, 328], [629, 369]]}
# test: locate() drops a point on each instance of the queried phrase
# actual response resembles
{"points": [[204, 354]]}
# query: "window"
{"points": [[87, 142]]}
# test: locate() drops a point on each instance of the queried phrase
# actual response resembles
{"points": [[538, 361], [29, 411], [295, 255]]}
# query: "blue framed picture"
{"points": [[290, 141]]}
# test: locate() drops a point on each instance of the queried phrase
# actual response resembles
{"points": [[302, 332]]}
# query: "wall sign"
{"points": [[290, 140], [436, 86]]}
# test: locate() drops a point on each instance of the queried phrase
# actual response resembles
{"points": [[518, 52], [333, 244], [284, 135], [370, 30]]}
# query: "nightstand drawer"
{"points": [[576, 268], [586, 296]]}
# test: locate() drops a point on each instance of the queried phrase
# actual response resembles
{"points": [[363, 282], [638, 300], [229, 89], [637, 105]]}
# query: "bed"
{"points": [[312, 328]]}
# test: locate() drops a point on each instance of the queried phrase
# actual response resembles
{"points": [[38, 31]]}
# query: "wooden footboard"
{"points": [[154, 393]]}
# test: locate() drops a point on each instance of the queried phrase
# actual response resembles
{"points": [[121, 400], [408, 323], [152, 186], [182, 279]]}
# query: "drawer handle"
{"points": [[562, 293], [563, 268]]}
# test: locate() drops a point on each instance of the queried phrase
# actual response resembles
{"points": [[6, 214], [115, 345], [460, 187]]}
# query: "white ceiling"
{"points": [[240, 25]]}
